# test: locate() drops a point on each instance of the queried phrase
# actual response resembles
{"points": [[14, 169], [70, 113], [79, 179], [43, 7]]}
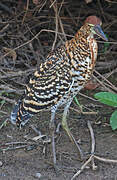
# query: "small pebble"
{"points": [[1, 163], [41, 177], [38, 175]]}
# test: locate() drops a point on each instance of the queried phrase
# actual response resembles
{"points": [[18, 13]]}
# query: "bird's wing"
{"points": [[53, 59], [48, 85]]}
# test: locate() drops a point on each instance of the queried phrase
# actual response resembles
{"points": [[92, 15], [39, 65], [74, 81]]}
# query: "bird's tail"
{"points": [[19, 116]]}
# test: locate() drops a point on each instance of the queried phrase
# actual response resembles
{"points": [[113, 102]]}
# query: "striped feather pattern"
{"points": [[65, 71]]}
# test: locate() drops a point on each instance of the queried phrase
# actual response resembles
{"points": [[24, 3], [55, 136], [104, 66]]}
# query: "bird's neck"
{"points": [[84, 31], [82, 49], [79, 44]]}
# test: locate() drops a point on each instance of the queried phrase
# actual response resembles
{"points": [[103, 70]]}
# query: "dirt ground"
{"points": [[30, 162], [27, 35]]}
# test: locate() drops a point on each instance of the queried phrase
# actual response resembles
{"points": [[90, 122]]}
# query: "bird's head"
{"points": [[93, 25]]}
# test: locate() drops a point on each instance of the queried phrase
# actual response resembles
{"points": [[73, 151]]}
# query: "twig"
{"points": [[3, 29], [92, 137], [105, 160], [3, 124], [82, 168], [3, 112], [52, 3], [92, 157], [56, 17], [111, 1], [27, 5], [84, 95], [61, 25], [108, 89], [109, 42], [13, 148], [36, 36], [36, 130], [105, 79], [94, 167], [8, 100], [17, 74]]}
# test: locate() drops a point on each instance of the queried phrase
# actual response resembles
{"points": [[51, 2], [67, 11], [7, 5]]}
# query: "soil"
{"points": [[27, 35], [30, 162]]}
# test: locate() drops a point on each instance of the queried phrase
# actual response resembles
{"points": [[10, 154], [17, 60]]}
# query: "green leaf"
{"points": [[2, 102], [107, 98], [113, 120], [76, 100]]}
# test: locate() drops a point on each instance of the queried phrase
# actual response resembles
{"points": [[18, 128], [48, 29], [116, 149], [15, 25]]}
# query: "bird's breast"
{"points": [[93, 50]]}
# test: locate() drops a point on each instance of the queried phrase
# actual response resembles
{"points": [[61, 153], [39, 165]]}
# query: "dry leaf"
{"points": [[36, 2], [88, 1], [91, 85]]}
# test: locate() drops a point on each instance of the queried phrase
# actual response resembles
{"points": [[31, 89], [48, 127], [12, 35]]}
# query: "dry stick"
{"points": [[61, 25], [108, 89], [6, 88], [107, 65], [17, 91], [56, 15], [16, 142], [13, 148], [105, 79], [52, 3], [94, 167], [4, 28], [60, 6], [82, 168], [110, 73], [42, 5], [81, 94], [8, 100], [110, 1], [36, 36], [107, 85], [109, 42], [3, 112], [92, 157], [36, 130], [85, 113], [93, 149], [27, 5], [17, 74], [105, 160], [4, 123], [92, 137]]}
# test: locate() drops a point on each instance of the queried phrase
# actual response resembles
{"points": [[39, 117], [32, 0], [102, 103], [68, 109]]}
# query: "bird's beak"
{"points": [[98, 30]]}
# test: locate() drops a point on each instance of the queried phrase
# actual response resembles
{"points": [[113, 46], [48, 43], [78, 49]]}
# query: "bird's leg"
{"points": [[52, 130], [66, 128]]}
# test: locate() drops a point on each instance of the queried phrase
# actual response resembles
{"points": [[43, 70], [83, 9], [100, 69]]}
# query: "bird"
{"points": [[59, 79]]}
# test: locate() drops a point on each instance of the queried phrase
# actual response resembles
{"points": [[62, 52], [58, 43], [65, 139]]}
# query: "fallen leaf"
{"points": [[36, 2], [91, 85], [88, 1]]}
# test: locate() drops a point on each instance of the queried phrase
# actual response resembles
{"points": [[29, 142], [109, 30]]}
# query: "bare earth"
{"points": [[30, 162]]}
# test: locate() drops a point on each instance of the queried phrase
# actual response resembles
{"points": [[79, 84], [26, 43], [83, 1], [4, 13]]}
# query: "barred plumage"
{"points": [[64, 73]]}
